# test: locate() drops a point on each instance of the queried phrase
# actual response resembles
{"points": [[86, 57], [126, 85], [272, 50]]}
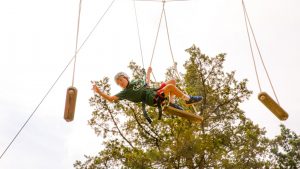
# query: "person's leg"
{"points": [[172, 96], [170, 88]]}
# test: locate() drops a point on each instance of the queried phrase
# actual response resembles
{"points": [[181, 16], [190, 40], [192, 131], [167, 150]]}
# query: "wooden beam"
{"points": [[70, 104], [182, 113], [275, 108]]}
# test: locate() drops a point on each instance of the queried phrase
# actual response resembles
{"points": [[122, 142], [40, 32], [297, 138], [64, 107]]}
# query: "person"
{"points": [[136, 91]]}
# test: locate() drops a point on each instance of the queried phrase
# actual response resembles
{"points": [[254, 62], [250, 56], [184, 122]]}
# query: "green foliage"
{"points": [[285, 149], [225, 139]]}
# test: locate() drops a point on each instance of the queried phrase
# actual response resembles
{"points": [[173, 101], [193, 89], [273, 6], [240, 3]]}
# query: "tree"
{"points": [[285, 149], [225, 139]]}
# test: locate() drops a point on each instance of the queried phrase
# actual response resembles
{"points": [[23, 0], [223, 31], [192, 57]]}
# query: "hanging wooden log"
{"points": [[184, 114], [275, 108], [70, 104]]}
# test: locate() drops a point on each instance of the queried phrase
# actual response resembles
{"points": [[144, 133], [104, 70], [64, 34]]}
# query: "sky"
{"points": [[37, 39]]}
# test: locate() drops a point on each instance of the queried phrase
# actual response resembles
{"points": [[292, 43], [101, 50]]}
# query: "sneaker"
{"points": [[193, 100], [176, 106]]}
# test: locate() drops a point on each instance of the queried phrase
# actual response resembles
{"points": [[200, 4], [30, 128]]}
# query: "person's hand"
{"points": [[95, 88], [149, 70]]}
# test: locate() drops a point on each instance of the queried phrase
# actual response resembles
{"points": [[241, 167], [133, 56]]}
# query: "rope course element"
{"points": [[163, 15], [163, 0], [266, 99], [139, 35], [173, 58], [157, 32], [76, 44], [252, 54], [72, 91], [57, 79], [248, 25]]}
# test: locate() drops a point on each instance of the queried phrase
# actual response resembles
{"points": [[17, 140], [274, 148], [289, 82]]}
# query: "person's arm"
{"points": [[149, 71], [104, 95]]}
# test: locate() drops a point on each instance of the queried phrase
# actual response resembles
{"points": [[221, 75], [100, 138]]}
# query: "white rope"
{"points": [[157, 33], [54, 83], [76, 45], [138, 32], [258, 49], [252, 53], [171, 51]]}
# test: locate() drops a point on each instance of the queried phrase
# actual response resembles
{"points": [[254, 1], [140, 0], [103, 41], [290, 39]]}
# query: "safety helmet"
{"points": [[121, 74]]}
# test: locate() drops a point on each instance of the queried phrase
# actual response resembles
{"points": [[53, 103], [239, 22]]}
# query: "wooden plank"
{"points": [[182, 113], [70, 104], [275, 108]]}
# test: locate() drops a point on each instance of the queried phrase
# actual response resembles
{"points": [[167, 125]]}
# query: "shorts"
{"points": [[160, 90]]}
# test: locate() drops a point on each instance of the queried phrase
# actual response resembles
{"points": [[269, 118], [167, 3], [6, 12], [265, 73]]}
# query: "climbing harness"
{"points": [[162, 16], [159, 101]]}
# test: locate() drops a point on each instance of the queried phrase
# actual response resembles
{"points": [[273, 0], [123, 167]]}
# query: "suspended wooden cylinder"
{"points": [[184, 114], [70, 104], [275, 108]]}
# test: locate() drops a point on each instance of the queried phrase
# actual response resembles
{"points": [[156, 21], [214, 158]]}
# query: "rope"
{"points": [[157, 33], [252, 54], [163, 0], [170, 46], [52, 86], [138, 32], [171, 51], [139, 38], [77, 34], [258, 49]]}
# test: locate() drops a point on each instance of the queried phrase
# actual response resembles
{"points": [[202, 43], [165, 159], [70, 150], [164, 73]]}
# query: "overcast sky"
{"points": [[37, 38]]}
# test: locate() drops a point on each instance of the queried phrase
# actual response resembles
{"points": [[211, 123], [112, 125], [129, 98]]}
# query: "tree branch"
{"points": [[141, 126], [116, 125]]}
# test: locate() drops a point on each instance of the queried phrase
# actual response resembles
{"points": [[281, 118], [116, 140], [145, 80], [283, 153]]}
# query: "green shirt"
{"points": [[136, 92]]}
